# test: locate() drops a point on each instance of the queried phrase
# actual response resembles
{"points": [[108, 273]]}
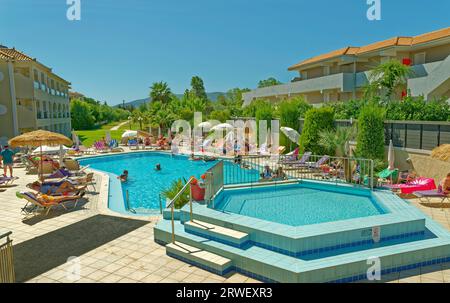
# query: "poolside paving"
{"points": [[111, 248]]}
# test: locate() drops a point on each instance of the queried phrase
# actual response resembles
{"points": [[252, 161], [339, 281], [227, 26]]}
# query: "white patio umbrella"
{"points": [[108, 137], [130, 134], [391, 156], [50, 149], [76, 140], [222, 126], [291, 133], [205, 125]]}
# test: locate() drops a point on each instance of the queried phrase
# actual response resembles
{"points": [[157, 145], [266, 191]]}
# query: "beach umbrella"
{"points": [[50, 149], [40, 138], [108, 137], [76, 140], [291, 133], [391, 156], [222, 126], [207, 125], [130, 134]]}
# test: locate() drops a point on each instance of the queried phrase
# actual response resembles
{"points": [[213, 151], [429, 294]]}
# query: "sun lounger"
{"points": [[35, 203], [7, 181], [419, 184], [292, 159], [427, 195], [313, 166]]}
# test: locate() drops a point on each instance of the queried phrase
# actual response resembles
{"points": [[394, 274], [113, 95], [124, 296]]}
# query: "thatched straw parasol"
{"points": [[442, 152], [38, 138]]}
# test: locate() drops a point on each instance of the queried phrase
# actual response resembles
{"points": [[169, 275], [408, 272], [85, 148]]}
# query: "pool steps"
{"points": [[199, 257], [268, 265], [211, 231]]}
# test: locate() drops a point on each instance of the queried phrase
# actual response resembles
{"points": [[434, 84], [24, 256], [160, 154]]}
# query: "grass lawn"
{"points": [[88, 137]]}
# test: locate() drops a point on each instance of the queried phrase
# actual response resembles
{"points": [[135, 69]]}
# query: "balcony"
{"points": [[342, 81], [26, 117]]}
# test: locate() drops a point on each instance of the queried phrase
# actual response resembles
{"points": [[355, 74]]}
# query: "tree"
{"points": [[198, 88], [160, 91], [386, 78], [81, 115], [370, 140], [268, 82], [316, 120]]}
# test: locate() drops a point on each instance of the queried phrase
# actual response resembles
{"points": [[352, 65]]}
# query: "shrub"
{"points": [[264, 112], [289, 112], [348, 109], [370, 140], [173, 190], [316, 120], [418, 109]]}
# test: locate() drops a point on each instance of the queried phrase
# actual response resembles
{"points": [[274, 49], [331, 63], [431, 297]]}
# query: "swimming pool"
{"points": [[298, 205], [145, 184]]}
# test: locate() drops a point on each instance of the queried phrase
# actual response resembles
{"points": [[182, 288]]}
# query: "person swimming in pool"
{"points": [[158, 167], [124, 176]]}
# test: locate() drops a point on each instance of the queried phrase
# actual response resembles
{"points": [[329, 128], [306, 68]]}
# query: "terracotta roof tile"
{"points": [[16, 54], [396, 41], [4, 55], [439, 34]]}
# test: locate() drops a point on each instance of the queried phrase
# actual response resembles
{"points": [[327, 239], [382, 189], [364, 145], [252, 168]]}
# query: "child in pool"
{"points": [[124, 176]]}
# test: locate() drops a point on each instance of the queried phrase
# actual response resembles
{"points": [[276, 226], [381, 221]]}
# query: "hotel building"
{"points": [[342, 74], [31, 96]]}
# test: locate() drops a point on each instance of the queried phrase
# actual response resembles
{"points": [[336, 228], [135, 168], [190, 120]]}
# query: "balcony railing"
{"points": [[7, 274]]}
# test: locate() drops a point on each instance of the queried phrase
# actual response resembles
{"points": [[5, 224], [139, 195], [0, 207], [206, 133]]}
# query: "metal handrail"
{"points": [[180, 192], [172, 205], [6, 234]]}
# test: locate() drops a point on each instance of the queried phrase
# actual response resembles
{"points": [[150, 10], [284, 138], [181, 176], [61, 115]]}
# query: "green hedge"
{"points": [[370, 141], [289, 112], [316, 120]]}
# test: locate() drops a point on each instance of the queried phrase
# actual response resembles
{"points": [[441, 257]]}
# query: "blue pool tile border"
{"points": [[394, 270], [249, 243]]}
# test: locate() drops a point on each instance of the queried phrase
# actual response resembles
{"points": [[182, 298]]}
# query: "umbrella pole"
{"points": [[42, 165]]}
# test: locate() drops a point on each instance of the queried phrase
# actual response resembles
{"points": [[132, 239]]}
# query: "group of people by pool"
{"points": [[270, 175], [204, 158]]}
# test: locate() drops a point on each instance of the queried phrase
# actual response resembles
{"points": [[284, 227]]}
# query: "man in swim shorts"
{"points": [[8, 160]]}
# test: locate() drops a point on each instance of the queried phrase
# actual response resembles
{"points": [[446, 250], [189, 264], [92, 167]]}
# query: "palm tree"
{"points": [[387, 77], [338, 141], [160, 91]]}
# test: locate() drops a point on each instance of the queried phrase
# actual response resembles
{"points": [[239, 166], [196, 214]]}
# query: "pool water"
{"points": [[297, 205], [145, 184]]}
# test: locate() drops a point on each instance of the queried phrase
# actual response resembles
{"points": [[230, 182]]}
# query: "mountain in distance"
{"points": [[211, 96]]}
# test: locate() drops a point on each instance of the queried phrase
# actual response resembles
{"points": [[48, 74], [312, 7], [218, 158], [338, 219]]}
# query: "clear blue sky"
{"points": [[120, 47]]}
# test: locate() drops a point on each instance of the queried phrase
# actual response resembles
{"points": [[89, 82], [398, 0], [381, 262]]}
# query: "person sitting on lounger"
{"points": [[194, 158], [267, 173], [280, 174], [446, 184], [124, 176], [55, 188], [46, 199], [209, 159], [63, 172]]}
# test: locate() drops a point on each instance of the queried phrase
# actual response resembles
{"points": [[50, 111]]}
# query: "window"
{"points": [[326, 70], [304, 75], [419, 58]]}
